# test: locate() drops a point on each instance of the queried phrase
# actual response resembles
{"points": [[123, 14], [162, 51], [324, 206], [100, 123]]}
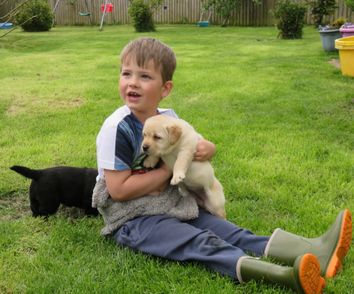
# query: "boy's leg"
{"points": [[229, 232], [170, 238]]}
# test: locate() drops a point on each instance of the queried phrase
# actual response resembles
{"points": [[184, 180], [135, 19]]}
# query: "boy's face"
{"points": [[142, 88]]}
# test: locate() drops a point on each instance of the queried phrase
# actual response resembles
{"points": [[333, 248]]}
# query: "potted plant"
{"points": [[347, 30], [329, 33]]}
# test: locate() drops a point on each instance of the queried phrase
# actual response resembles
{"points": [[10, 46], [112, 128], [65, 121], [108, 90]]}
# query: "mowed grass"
{"points": [[280, 114]]}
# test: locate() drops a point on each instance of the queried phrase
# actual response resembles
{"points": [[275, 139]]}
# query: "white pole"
{"points": [[56, 5], [104, 13], [55, 8]]}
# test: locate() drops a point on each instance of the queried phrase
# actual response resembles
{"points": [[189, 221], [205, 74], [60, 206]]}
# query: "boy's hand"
{"points": [[205, 150]]}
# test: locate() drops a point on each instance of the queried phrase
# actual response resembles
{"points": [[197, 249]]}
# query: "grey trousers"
{"points": [[209, 240]]}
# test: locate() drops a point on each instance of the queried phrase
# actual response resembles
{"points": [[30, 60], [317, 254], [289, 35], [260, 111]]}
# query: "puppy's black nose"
{"points": [[145, 148]]}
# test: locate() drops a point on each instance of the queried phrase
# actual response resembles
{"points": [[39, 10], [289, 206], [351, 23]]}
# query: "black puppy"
{"points": [[50, 187]]}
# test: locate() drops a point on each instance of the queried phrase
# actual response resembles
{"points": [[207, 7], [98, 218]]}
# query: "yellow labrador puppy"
{"points": [[174, 141]]}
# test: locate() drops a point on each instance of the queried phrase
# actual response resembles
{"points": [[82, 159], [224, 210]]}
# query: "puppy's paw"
{"points": [[177, 178], [150, 161]]}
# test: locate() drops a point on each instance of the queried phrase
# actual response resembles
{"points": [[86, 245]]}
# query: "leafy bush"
{"points": [[35, 16], [350, 4], [321, 8], [141, 13], [290, 17], [223, 8], [339, 22]]}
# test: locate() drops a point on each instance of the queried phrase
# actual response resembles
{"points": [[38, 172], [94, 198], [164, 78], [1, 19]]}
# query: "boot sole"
{"points": [[342, 248], [310, 275]]}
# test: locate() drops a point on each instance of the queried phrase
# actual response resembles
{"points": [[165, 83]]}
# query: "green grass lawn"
{"points": [[280, 114]]}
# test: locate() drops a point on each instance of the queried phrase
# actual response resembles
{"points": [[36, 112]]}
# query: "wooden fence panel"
{"points": [[171, 11]]}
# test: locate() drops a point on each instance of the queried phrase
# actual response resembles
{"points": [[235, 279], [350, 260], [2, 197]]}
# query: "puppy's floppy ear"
{"points": [[174, 133]]}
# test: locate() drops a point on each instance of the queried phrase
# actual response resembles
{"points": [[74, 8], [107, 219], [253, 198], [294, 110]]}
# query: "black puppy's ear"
{"points": [[174, 133]]}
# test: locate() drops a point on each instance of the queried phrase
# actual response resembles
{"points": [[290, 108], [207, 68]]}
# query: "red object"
{"points": [[109, 7], [139, 171]]}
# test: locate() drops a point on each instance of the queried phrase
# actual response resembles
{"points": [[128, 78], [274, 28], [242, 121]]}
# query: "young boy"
{"points": [[144, 213]]}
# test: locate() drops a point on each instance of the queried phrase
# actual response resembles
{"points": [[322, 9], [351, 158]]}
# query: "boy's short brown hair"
{"points": [[143, 50]]}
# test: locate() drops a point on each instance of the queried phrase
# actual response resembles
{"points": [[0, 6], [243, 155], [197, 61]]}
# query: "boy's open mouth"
{"points": [[132, 94]]}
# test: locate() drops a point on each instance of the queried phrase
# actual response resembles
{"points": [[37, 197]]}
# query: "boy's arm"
{"points": [[205, 150], [123, 185]]}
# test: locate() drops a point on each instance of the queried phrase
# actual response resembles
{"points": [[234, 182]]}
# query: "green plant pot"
{"points": [[328, 38]]}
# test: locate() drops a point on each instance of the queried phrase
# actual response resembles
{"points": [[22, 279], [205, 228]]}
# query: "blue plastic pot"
{"points": [[203, 23], [328, 38]]}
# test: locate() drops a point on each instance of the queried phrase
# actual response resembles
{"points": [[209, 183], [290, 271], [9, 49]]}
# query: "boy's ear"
{"points": [[166, 88]]}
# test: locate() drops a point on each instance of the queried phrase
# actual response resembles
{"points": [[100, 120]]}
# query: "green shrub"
{"points": [[290, 17], [321, 8], [35, 16], [225, 8], [339, 22], [141, 15], [350, 4]]}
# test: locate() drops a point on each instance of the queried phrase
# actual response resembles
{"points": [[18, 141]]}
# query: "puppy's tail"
{"points": [[27, 172]]}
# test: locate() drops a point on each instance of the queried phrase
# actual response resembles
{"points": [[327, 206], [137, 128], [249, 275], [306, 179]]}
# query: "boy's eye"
{"points": [[125, 73], [145, 76]]}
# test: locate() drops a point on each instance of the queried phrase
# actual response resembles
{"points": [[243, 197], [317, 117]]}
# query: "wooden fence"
{"points": [[171, 11]]}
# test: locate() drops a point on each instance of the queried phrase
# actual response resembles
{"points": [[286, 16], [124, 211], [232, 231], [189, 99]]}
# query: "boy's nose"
{"points": [[133, 82]]}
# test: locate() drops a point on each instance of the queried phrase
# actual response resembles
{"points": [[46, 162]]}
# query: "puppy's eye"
{"points": [[157, 137]]}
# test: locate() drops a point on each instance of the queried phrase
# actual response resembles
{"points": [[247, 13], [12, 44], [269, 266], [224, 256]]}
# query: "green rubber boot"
{"points": [[330, 248], [303, 277]]}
